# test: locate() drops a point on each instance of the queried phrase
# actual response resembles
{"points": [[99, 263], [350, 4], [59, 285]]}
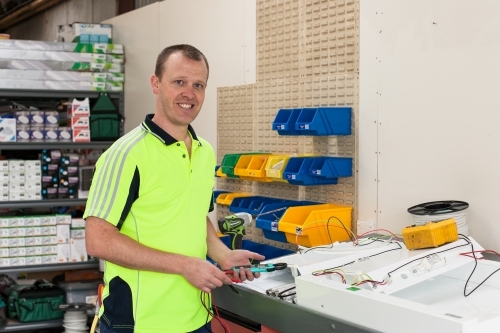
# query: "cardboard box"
{"points": [[4, 176], [30, 221], [79, 123], [49, 259], [79, 108], [32, 165], [61, 85], [49, 249], [34, 250], [77, 223], [41, 75], [32, 231], [37, 117], [85, 33], [23, 117], [33, 260], [51, 133], [19, 261], [46, 220], [4, 165], [49, 230], [49, 240], [4, 252], [23, 133], [17, 196], [34, 185], [81, 135], [63, 219], [37, 133], [33, 241], [14, 54], [61, 66], [17, 165], [63, 252], [78, 251], [62, 233], [8, 132], [49, 193], [16, 44], [33, 195], [65, 134], [77, 233], [17, 252]]}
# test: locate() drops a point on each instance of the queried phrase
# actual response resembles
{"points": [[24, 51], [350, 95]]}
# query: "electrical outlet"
{"points": [[364, 226]]}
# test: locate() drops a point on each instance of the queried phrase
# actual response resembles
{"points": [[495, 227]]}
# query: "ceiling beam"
{"points": [[26, 12], [124, 6]]}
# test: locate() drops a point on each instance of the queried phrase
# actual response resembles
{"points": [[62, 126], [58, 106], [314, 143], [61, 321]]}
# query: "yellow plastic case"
{"points": [[433, 234]]}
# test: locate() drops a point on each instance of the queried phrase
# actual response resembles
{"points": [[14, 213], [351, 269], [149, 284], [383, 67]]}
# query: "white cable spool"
{"points": [[76, 317], [441, 210]]}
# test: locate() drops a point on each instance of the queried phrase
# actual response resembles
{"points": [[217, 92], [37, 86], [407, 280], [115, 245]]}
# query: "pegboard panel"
{"points": [[234, 120], [234, 185], [307, 56], [269, 98]]}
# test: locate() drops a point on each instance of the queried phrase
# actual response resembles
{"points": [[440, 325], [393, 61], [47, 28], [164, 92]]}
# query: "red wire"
{"points": [[473, 256], [222, 322]]}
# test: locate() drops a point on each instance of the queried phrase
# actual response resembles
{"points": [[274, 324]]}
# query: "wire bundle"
{"points": [[460, 219]]}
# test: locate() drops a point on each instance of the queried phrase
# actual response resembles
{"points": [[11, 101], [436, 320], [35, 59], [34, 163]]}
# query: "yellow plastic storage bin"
{"points": [[275, 166], [310, 222], [219, 173], [227, 198], [252, 167]]}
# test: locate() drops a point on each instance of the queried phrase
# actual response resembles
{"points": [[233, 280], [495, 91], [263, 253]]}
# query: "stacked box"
{"points": [[28, 240], [60, 177], [79, 118], [20, 180], [78, 251], [63, 66], [40, 126]]}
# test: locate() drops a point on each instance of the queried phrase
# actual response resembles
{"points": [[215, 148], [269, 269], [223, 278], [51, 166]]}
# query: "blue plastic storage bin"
{"points": [[331, 167], [269, 222], [297, 173], [285, 120], [324, 121]]}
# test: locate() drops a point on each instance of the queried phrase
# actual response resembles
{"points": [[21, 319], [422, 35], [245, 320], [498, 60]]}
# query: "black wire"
{"points": [[211, 313], [451, 248], [376, 254], [330, 236], [474, 269], [280, 294], [283, 296]]}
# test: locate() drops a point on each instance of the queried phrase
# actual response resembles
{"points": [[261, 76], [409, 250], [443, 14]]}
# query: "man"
{"points": [[146, 214]]}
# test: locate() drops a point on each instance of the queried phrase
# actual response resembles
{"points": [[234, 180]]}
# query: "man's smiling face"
{"points": [[181, 89]]}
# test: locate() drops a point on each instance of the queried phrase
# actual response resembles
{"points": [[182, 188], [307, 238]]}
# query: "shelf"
{"points": [[55, 93], [54, 145], [16, 326], [43, 203], [51, 267]]}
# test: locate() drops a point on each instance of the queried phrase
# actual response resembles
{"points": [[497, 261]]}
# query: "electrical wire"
{"points": [[281, 296], [455, 247], [216, 316], [349, 232]]}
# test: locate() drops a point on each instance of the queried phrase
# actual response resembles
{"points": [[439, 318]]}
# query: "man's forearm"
{"points": [[105, 242], [216, 250]]}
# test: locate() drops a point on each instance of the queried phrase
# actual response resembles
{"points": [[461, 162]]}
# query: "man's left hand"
{"points": [[238, 258]]}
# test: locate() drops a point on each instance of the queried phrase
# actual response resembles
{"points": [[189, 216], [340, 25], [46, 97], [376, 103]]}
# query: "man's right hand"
{"points": [[204, 275]]}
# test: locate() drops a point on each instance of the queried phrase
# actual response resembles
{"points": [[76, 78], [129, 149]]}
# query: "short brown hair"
{"points": [[188, 51]]}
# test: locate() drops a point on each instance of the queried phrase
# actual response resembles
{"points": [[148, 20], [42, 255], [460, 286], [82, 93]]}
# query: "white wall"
{"points": [[430, 107], [224, 30]]}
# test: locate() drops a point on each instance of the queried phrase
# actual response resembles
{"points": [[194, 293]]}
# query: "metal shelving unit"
{"points": [[43, 203], [45, 98]]}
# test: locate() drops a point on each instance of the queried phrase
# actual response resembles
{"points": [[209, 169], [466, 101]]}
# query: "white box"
{"points": [[4, 165], [12, 232], [33, 251], [85, 33], [17, 165], [4, 252], [49, 259], [77, 223], [4, 242], [80, 123], [30, 221], [19, 261], [16, 196], [33, 165], [4, 262], [4, 196], [17, 186], [8, 132], [33, 260], [15, 222], [48, 230], [78, 251], [4, 176], [15, 242], [77, 233], [49, 240], [32, 231], [79, 108], [47, 220], [33, 176], [81, 135], [33, 195], [63, 252], [17, 176], [4, 222], [63, 219], [17, 252], [49, 249], [62, 233], [33, 241], [51, 133]]}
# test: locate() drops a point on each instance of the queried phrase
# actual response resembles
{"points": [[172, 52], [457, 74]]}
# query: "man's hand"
{"points": [[204, 275], [238, 258]]}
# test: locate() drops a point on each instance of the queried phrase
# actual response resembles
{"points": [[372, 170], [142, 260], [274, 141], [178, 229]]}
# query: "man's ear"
{"points": [[155, 81]]}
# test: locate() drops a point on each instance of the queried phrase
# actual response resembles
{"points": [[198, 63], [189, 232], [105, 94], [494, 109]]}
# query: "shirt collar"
{"points": [[150, 126]]}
